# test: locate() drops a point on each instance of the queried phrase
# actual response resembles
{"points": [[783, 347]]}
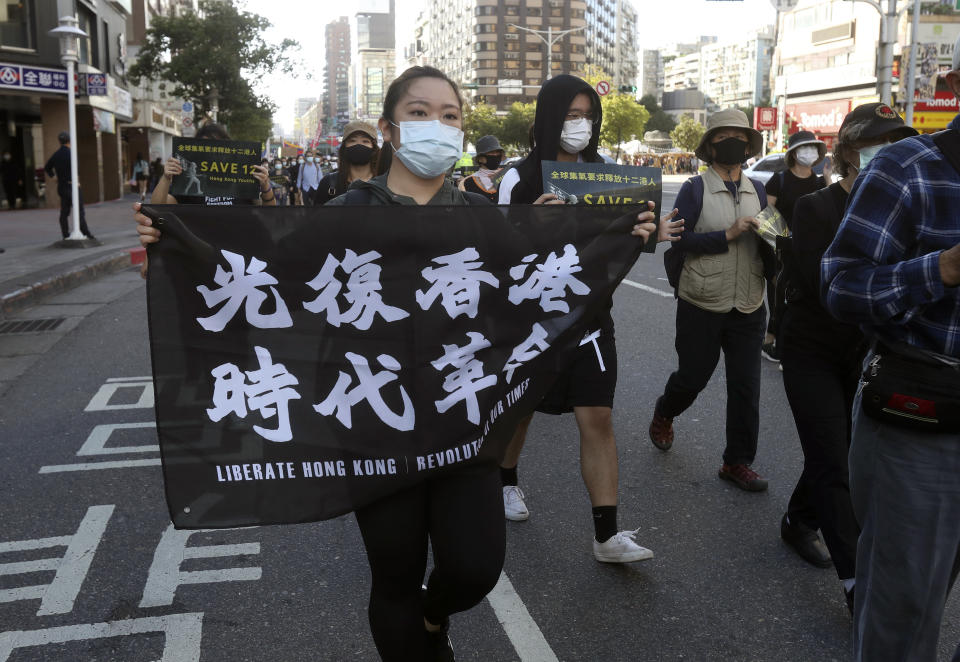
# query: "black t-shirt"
{"points": [[327, 189], [788, 188]]}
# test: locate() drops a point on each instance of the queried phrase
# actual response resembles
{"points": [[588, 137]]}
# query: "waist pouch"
{"points": [[911, 393]]}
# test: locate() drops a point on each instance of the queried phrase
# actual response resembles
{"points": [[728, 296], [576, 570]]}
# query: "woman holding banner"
{"points": [[567, 128], [458, 513], [172, 168]]}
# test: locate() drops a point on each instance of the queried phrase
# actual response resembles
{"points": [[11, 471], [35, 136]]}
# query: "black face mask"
{"points": [[730, 151], [358, 154], [491, 162]]}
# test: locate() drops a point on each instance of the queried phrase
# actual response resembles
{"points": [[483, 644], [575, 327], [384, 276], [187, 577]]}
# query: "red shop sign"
{"points": [[819, 116]]}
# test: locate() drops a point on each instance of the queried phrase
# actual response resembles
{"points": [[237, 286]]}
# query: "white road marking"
{"points": [[183, 632], [147, 378], [521, 629], [165, 574], [101, 399], [647, 288], [98, 437], [89, 466], [58, 596]]}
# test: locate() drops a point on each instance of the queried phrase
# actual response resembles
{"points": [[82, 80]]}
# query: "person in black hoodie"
{"points": [[567, 128], [822, 359]]}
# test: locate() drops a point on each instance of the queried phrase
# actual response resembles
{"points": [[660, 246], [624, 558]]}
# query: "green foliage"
{"points": [[216, 51], [623, 119], [481, 120], [687, 133], [661, 121], [515, 130], [594, 74], [649, 102]]}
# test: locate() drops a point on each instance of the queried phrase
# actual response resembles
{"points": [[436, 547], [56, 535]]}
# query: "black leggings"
{"points": [[462, 514]]}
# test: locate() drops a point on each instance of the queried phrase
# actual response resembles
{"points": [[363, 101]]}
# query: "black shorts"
{"points": [[140, 177], [583, 382]]}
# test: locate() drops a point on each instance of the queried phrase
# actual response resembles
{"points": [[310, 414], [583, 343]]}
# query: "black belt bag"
{"points": [[911, 393]]}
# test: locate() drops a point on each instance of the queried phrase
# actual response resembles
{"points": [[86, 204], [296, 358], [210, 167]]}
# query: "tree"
{"points": [[481, 120], [687, 134], [659, 120], [516, 125], [623, 119], [207, 57]]}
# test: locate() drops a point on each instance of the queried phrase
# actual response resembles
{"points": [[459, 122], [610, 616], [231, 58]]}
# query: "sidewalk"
{"points": [[33, 268]]}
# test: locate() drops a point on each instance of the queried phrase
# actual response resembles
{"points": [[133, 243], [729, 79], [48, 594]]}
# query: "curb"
{"points": [[32, 294]]}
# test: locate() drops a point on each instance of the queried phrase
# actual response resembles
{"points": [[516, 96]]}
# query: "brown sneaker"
{"points": [[661, 431], [743, 477]]}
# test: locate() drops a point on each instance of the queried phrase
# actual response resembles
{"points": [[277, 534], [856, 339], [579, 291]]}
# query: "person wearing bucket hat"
{"points": [[485, 180], [357, 157], [821, 359], [722, 267], [894, 269]]}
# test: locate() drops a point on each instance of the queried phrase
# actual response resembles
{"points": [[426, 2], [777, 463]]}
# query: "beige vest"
{"points": [[723, 281]]}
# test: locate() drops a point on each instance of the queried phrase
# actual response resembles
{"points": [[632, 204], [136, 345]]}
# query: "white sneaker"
{"points": [[514, 509], [621, 548]]}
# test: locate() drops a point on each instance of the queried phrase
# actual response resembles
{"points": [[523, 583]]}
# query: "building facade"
{"points": [[737, 72], [651, 75], [336, 74], [611, 40], [373, 64], [33, 94], [484, 46]]}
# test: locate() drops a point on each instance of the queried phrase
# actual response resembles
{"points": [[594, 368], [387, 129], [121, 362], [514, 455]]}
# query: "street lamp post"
{"points": [[70, 35], [549, 40], [889, 18]]}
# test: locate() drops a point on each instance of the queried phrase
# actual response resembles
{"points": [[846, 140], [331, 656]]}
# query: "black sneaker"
{"points": [[770, 351], [806, 543], [437, 646]]}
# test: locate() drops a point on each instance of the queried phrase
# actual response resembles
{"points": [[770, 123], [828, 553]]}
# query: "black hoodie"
{"points": [[554, 99]]}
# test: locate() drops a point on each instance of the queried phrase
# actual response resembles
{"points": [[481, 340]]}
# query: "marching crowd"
{"points": [[863, 312]]}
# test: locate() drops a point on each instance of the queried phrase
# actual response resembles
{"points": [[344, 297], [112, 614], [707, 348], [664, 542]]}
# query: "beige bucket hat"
{"points": [[729, 118]]}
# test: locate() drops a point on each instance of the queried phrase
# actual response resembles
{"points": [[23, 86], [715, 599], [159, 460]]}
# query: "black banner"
{"points": [[604, 184], [308, 361], [216, 168]]}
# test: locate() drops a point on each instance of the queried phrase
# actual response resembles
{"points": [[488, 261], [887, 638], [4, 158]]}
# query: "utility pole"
{"points": [[889, 18], [549, 40]]}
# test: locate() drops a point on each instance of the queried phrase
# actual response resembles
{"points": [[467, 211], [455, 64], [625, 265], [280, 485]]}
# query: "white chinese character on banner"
{"points": [[30, 78], [535, 343], [241, 285], [268, 391], [46, 80], [341, 400], [456, 282], [549, 281], [467, 379], [363, 292]]}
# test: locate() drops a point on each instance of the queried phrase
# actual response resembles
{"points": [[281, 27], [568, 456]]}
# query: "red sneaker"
{"points": [[743, 477], [661, 431]]}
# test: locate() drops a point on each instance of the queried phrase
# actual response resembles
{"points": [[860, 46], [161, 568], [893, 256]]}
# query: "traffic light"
{"points": [[628, 89]]}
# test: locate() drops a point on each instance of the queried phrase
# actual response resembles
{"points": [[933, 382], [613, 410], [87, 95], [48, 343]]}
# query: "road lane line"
{"points": [[647, 288], [87, 466], [521, 629]]}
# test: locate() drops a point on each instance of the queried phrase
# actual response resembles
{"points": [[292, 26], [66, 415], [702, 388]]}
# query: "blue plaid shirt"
{"points": [[882, 269]]}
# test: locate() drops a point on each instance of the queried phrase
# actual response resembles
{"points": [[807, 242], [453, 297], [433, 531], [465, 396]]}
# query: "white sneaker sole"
{"points": [[642, 554], [517, 517]]}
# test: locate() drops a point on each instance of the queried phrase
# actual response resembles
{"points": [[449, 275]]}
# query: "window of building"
{"points": [[16, 24], [511, 46], [512, 10], [89, 48], [534, 11], [510, 64]]}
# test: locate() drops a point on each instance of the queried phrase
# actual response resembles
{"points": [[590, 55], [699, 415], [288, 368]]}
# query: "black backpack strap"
{"points": [[949, 143], [472, 198], [357, 196]]}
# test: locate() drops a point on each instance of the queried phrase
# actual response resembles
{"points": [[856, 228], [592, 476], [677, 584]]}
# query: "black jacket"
{"points": [[59, 163]]}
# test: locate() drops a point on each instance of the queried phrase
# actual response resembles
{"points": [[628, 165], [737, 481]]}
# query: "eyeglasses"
{"points": [[577, 115]]}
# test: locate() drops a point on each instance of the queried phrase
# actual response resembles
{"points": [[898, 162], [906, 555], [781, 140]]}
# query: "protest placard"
{"points": [[216, 168]]}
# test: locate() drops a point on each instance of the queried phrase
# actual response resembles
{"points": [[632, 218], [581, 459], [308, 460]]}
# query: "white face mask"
{"points": [[807, 156], [576, 135], [429, 148], [300, 161]]}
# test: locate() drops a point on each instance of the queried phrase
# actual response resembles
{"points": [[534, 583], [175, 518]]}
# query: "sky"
{"points": [[660, 24]]}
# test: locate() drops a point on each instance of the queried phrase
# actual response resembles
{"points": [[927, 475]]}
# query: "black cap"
{"points": [[879, 119], [63, 137]]}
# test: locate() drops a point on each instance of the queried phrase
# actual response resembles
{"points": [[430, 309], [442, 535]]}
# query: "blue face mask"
{"points": [[867, 154], [429, 148]]}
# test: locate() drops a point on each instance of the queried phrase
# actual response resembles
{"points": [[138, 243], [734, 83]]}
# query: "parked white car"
{"points": [[765, 168]]}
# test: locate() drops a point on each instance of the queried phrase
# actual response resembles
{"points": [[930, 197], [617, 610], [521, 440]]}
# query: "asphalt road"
{"points": [[122, 586]]}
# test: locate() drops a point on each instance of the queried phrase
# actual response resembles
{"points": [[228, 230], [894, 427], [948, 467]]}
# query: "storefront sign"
{"points": [[103, 121], [123, 102], [820, 116], [39, 79], [765, 119], [943, 101], [926, 122], [943, 35], [96, 85]]}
